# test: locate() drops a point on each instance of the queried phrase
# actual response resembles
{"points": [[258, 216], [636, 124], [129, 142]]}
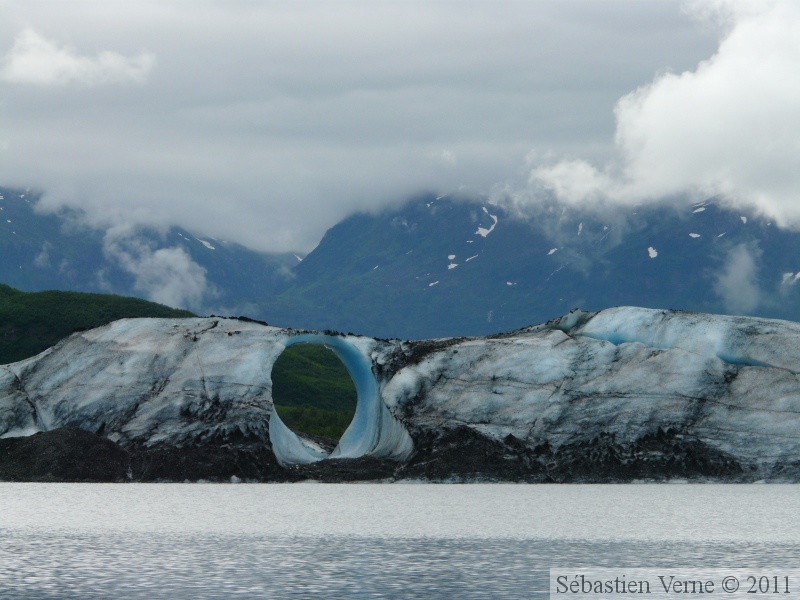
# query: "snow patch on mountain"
{"points": [[483, 231]]}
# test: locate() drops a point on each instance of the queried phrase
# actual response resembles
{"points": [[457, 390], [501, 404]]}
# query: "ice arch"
{"points": [[373, 430]]}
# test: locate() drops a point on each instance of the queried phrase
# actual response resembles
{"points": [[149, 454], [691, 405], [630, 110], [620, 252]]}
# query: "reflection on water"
{"points": [[378, 541]]}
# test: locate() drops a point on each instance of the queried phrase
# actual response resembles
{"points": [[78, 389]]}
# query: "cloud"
{"points": [[448, 156], [574, 180], [166, 275], [35, 60], [266, 123], [730, 126], [737, 283], [42, 259]]}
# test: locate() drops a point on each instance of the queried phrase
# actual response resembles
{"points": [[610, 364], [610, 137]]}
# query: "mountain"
{"points": [[175, 267], [442, 266], [435, 266]]}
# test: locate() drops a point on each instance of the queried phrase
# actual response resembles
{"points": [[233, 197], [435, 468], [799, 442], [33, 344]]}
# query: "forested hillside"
{"points": [[31, 322]]}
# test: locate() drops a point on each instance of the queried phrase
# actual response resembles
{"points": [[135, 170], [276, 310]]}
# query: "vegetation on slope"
{"points": [[316, 421], [312, 391], [31, 322]]}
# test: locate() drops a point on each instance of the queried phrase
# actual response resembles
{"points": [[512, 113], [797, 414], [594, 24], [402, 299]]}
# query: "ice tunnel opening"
{"points": [[373, 430], [313, 393]]}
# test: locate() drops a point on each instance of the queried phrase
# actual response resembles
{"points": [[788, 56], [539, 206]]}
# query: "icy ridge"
{"points": [[718, 392], [727, 383], [738, 340], [151, 382]]}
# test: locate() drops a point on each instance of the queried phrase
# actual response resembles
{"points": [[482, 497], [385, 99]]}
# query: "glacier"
{"points": [[624, 394]]}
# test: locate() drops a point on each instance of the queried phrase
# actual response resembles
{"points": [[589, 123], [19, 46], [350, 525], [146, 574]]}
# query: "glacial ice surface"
{"points": [[185, 381], [729, 383]]}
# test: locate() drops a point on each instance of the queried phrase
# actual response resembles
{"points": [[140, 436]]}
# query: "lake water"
{"points": [[373, 541]]}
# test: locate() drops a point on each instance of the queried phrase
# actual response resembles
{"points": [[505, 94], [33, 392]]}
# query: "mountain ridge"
{"points": [[442, 265], [171, 266]]}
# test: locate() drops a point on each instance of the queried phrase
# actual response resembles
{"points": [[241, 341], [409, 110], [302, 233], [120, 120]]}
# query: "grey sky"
{"points": [[267, 122]]}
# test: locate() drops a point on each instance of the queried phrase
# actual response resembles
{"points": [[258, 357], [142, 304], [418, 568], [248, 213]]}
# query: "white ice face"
{"points": [[164, 381], [729, 381]]}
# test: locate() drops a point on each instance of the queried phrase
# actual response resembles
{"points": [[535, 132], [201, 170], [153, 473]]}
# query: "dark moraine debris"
{"points": [[69, 454], [454, 454], [64, 454], [344, 470], [210, 462], [660, 456], [462, 454]]}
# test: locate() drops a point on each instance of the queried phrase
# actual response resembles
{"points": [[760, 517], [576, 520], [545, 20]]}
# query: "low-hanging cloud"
{"points": [[164, 275], [266, 123], [728, 127], [737, 282], [36, 60]]}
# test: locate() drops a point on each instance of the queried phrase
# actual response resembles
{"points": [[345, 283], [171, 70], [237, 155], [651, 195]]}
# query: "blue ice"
{"points": [[373, 430]]}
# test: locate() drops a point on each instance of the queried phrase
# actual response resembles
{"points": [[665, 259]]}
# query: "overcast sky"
{"points": [[267, 122]]}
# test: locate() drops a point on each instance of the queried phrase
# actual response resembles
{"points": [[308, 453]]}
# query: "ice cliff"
{"points": [[623, 394]]}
